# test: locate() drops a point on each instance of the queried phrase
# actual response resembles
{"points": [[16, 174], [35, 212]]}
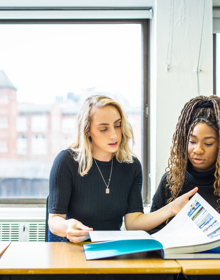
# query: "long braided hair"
{"points": [[199, 109]]}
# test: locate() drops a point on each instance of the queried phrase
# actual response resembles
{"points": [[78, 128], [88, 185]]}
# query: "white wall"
{"points": [[170, 90]]}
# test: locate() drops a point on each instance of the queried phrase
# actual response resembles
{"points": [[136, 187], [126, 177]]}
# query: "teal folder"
{"points": [[119, 247]]}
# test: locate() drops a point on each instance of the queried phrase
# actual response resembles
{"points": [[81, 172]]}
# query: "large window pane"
{"points": [[217, 64], [46, 71]]}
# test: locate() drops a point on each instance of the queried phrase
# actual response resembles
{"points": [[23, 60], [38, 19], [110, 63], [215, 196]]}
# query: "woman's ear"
{"points": [[89, 136]]}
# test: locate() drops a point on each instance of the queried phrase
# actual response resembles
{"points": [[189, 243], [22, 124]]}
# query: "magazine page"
{"points": [[110, 235], [197, 223]]}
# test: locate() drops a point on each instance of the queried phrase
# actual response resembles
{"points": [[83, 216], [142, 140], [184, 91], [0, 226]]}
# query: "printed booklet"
{"points": [[194, 233]]}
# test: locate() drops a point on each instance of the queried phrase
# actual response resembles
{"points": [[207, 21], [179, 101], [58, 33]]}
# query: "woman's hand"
{"points": [[181, 201], [77, 232], [72, 229]]}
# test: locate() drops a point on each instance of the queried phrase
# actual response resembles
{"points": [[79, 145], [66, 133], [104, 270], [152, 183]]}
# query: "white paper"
{"points": [[196, 223], [110, 235]]}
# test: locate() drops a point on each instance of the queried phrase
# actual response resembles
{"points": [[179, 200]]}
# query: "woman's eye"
{"points": [[208, 144], [103, 130], [192, 142], [117, 126]]}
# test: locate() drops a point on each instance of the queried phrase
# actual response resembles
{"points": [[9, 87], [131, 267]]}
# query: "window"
{"points": [[52, 68], [217, 64], [22, 145], [3, 97], [3, 122], [22, 123], [39, 145], [3, 146], [216, 50], [39, 123]]}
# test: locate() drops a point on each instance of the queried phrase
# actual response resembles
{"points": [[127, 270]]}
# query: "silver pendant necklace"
{"points": [[107, 190]]}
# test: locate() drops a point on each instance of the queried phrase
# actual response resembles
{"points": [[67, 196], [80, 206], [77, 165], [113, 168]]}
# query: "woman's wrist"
{"points": [[169, 211], [172, 209]]}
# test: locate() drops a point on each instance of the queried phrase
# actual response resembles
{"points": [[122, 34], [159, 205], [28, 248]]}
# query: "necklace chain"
{"points": [[107, 191]]}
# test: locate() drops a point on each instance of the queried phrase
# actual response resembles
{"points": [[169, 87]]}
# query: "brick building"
{"points": [[31, 135], [8, 117], [32, 131]]}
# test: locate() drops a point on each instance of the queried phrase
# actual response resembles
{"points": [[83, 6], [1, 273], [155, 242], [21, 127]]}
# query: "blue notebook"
{"points": [[120, 247], [194, 233]]}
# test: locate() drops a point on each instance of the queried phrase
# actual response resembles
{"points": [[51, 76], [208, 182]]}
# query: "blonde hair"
{"points": [[82, 146]]}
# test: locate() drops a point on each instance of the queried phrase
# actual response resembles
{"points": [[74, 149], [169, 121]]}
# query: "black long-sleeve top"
{"points": [[203, 180]]}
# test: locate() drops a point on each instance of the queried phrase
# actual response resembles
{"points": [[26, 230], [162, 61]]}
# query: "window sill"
{"points": [[22, 202]]}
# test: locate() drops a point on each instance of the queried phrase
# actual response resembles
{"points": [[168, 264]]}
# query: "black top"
{"points": [[84, 198], [203, 180]]}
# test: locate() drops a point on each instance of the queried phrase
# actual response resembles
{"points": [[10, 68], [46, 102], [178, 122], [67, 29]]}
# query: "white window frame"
{"points": [[216, 29], [46, 10]]}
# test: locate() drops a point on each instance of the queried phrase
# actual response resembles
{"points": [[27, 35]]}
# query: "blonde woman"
{"points": [[98, 180]]}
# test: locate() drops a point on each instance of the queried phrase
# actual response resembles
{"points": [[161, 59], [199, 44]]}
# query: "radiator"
{"points": [[19, 224]]}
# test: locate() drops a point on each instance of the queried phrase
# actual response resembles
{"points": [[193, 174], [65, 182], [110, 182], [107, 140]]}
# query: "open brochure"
{"points": [[194, 233], [3, 246]]}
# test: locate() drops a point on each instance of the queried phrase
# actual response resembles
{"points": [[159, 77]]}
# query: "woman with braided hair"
{"points": [[194, 157]]}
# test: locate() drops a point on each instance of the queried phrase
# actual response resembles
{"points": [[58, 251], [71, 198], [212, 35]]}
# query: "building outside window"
{"points": [[22, 145], [39, 123], [3, 146], [4, 122], [217, 63], [39, 144], [22, 123], [4, 99], [47, 75]]}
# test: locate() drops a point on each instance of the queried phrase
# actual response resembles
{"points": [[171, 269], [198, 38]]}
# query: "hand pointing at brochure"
{"points": [[181, 201], [151, 220]]}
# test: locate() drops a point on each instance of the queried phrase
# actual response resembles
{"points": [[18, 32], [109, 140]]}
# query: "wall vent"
{"points": [[9, 232], [22, 224], [22, 231], [36, 232]]}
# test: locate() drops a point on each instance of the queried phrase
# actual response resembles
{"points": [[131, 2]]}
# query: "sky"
{"points": [[48, 60]]}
